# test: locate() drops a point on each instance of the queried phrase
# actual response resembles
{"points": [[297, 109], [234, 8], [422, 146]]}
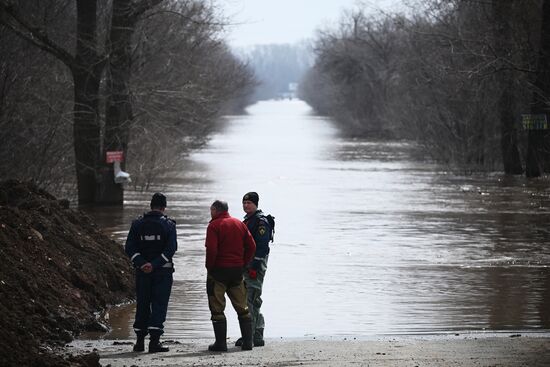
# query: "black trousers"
{"points": [[153, 293]]}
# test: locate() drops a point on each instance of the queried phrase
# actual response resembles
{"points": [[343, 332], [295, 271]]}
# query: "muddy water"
{"points": [[368, 241]]}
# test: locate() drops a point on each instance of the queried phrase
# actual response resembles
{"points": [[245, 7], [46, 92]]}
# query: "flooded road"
{"points": [[368, 241]]}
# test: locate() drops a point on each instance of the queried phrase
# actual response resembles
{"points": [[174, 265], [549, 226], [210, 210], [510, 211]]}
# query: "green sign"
{"points": [[534, 122]]}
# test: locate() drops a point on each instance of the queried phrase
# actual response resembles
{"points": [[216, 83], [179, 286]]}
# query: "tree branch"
{"points": [[142, 6], [37, 36]]}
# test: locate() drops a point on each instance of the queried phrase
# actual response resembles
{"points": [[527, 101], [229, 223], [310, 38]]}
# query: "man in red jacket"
{"points": [[229, 247]]}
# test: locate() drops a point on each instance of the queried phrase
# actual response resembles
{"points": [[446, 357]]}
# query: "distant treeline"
{"points": [[456, 76], [276, 66], [79, 78]]}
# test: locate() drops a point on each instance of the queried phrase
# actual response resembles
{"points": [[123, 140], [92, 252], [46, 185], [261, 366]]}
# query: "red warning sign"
{"points": [[114, 156]]}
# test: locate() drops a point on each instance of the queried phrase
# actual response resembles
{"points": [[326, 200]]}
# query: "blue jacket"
{"points": [[261, 231], [152, 238]]}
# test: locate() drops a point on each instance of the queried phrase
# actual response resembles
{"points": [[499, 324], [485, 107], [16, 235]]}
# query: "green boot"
{"points": [[259, 338], [246, 332], [220, 331]]}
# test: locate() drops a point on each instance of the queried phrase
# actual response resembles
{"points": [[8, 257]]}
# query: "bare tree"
{"points": [[35, 128], [538, 153], [149, 77], [454, 76], [183, 79], [86, 66], [119, 114], [359, 62], [503, 12]]}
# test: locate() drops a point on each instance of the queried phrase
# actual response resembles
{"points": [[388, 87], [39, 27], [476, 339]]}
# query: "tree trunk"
{"points": [[508, 138], [502, 11], [86, 73], [538, 150], [119, 114], [95, 178]]}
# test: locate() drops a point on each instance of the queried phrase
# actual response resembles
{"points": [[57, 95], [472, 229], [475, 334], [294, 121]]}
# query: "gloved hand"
{"points": [[252, 273], [256, 264]]}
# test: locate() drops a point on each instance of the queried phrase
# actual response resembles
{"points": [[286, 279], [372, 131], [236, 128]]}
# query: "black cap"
{"points": [[252, 196], [158, 201]]}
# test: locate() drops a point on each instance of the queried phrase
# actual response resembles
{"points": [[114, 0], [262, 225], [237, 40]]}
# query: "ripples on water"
{"points": [[368, 241]]}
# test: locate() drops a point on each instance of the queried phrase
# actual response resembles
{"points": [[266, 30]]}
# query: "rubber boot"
{"points": [[220, 331], [259, 338], [246, 332], [140, 344], [155, 346]]}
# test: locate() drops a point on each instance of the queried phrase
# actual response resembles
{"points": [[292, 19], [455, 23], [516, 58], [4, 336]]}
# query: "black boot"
{"points": [[140, 343], [220, 331], [259, 338], [246, 332], [155, 346]]}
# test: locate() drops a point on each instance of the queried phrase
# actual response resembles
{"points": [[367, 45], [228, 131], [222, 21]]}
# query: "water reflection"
{"points": [[368, 241]]}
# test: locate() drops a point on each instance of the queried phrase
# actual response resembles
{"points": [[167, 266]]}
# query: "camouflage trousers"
{"points": [[254, 296]]}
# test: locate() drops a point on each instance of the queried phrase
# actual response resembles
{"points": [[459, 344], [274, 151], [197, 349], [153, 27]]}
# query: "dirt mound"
{"points": [[57, 271]]}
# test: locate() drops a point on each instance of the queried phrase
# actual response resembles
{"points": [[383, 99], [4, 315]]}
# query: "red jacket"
{"points": [[229, 244]]}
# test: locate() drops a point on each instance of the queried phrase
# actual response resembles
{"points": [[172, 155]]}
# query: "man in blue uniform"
{"points": [[150, 245], [259, 227]]}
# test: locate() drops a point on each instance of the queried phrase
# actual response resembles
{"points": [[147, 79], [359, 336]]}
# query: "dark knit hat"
{"points": [[158, 201], [252, 196]]}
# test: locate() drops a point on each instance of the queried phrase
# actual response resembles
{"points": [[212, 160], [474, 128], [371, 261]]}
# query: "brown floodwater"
{"points": [[368, 241]]}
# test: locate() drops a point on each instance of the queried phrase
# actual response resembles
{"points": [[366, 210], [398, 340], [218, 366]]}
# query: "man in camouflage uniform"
{"points": [[259, 227]]}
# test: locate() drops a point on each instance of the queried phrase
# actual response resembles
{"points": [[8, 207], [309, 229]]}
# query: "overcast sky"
{"points": [[286, 21]]}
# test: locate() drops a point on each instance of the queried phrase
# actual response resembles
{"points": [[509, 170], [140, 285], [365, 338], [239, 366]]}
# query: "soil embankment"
{"points": [[57, 271]]}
